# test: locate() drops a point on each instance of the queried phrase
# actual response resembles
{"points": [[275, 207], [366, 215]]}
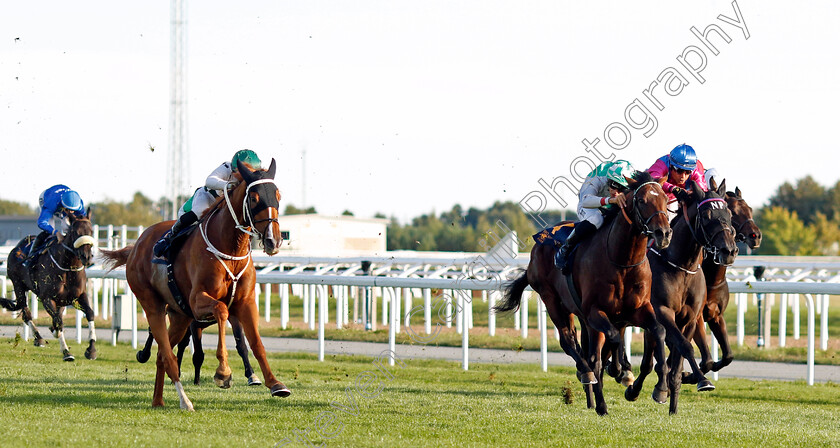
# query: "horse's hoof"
{"points": [[222, 381], [90, 353], [588, 378], [630, 394], [689, 378], [41, 342], [142, 356], [705, 385], [601, 410], [626, 378], [68, 357], [280, 390], [612, 370], [659, 396], [253, 380]]}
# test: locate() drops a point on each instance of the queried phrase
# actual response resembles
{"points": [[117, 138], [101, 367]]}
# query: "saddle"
{"points": [[175, 245]]}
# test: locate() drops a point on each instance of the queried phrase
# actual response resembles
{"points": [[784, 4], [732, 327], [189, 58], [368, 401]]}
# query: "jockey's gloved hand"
{"points": [[681, 194]]}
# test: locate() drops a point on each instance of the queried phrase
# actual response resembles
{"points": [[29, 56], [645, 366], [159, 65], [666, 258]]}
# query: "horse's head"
{"points": [[713, 222], [648, 203], [261, 206], [79, 239], [746, 229]]}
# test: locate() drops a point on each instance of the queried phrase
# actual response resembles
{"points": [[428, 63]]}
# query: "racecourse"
{"points": [[350, 401]]}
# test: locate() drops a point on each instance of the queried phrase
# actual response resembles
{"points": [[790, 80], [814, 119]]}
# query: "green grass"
{"points": [[107, 402], [508, 338]]}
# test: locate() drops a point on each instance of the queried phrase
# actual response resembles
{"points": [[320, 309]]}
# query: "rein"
{"points": [[644, 224], [249, 229], [707, 245]]}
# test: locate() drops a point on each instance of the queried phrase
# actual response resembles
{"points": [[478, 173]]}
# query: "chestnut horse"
{"points": [[215, 274], [678, 293], [57, 276], [611, 276], [717, 290]]}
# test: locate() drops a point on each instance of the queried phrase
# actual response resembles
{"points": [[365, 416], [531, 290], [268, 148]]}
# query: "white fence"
{"points": [[400, 278]]}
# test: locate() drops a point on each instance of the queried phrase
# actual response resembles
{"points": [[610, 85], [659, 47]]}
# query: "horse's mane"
{"points": [[642, 177]]}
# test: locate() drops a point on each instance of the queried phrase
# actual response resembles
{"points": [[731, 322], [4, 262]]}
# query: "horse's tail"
{"points": [[116, 258], [513, 294]]}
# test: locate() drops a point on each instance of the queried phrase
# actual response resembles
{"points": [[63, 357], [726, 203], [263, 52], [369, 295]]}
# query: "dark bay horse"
{"points": [[611, 276], [678, 293], [194, 335], [215, 274], [57, 276], [717, 290]]}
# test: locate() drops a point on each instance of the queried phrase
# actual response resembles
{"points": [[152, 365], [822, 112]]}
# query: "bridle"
{"points": [[248, 214], [739, 235], [699, 228], [640, 220], [77, 243]]}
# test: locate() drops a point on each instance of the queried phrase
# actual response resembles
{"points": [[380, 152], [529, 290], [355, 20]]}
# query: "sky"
{"points": [[410, 107]]}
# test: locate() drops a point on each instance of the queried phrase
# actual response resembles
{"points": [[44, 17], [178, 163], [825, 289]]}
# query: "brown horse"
{"points": [[57, 276], [678, 293], [612, 278], [215, 274], [717, 290]]}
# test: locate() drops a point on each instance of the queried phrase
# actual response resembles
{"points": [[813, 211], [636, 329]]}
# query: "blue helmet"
{"points": [[72, 201], [683, 157]]}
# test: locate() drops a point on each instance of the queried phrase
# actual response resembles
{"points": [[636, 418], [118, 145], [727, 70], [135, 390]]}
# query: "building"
{"points": [[14, 227], [336, 236]]}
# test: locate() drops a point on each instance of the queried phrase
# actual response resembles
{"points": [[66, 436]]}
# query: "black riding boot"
{"points": [[582, 230], [35, 247], [186, 220]]}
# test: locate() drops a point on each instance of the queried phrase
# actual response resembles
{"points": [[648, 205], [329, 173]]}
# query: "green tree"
{"points": [[806, 199], [783, 233], [292, 210], [16, 208], [141, 211], [347, 213], [827, 234]]}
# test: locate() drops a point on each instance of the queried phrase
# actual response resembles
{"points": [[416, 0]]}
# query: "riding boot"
{"points": [[186, 220], [35, 247], [582, 230]]}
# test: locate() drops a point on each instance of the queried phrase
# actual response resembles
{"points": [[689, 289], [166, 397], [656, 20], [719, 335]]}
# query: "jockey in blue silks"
{"points": [[56, 202]]}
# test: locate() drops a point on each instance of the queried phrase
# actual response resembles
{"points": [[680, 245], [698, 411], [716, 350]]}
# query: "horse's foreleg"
{"points": [[677, 341], [242, 349], [84, 304], [596, 345], [166, 363], [718, 327], [179, 354], [58, 327], [675, 380], [204, 305], [247, 315], [178, 325], [702, 345]]}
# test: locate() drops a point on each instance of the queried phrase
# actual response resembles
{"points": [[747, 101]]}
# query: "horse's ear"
{"points": [[245, 172], [89, 214], [713, 184], [737, 192], [696, 192], [631, 183], [272, 168], [721, 190]]}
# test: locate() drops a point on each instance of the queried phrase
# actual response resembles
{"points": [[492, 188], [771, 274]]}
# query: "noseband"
{"points": [[739, 235]]}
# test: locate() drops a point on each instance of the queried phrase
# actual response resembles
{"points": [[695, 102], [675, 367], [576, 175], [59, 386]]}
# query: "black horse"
{"points": [[57, 276], [198, 351]]}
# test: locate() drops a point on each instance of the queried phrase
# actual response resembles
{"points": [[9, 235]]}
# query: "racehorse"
{"points": [[610, 283], [215, 274], [194, 334], [57, 276], [678, 293], [717, 290]]}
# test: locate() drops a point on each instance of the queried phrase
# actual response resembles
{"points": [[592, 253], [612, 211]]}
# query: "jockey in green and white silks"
{"points": [[599, 191], [225, 176]]}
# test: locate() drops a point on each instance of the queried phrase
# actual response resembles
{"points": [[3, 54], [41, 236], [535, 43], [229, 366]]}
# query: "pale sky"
{"points": [[409, 107]]}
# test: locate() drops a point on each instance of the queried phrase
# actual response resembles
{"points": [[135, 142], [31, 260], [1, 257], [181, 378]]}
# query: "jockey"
{"points": [[679, 166], [56, 202], [600, 190], [225, 176]]}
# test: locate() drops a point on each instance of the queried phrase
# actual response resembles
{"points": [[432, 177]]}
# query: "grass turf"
{"points": [[107, 402]]}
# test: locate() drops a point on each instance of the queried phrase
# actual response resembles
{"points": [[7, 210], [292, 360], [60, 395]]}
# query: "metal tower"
{"points": [[177, 174]]}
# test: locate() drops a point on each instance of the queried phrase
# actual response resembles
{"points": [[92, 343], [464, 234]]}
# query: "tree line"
{"points": [[801, 218]]}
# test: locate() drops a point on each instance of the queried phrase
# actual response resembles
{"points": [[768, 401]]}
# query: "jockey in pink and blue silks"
{"points": [[678, 167]]}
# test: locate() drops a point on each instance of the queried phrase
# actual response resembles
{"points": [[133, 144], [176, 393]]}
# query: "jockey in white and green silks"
{"points": [[599, 191], [225, 176]]}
